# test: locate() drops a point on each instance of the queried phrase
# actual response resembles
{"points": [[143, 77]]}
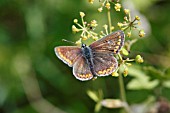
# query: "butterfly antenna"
{"points": [[68, 41]]}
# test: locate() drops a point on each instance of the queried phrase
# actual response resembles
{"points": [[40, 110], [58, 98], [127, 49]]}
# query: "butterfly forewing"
{"points": [[104, 64], [68, 54], [81, 69], [112, 42]]}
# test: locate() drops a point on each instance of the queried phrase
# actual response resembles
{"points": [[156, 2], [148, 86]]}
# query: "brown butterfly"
{"points": [[94, 60]]}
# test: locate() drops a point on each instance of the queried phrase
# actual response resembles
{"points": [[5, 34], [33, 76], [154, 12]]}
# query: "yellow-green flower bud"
{"points": [[105, 26], [107, 5], [94, 23], [115, 74], [142, 33], [95, 38], [100, 9], [125, 18], [117, 6], [82, 14], [127, 11], [119, 24], [84, 37], [75, 20], [139, 59], [125, 72], [137, 18], [74, 29]]}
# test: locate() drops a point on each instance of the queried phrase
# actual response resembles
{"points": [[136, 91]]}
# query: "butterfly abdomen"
{"points": [[87, 53]]}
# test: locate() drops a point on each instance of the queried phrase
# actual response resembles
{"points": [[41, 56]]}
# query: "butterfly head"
{"points": [[83, 45]]}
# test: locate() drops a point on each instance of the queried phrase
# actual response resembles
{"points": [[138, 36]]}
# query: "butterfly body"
{"points": [[94, 60], [88, 55]]}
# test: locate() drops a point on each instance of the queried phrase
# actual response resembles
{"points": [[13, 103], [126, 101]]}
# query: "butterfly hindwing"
{"points": [[112, 42], [68, 54], [81, 69], [104, 64]]}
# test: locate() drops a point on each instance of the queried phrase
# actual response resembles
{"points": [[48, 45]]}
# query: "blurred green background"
{"points": [[34, 80]]}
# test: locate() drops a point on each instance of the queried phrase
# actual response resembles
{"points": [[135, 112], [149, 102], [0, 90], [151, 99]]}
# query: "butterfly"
{"points": [[94, 60]]}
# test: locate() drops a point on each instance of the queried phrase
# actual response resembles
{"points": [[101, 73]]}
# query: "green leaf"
{"points": [[93, 95], [154, 73], [141, 80], [167, 73], [98, 107], [166, 84], [137, 96]]}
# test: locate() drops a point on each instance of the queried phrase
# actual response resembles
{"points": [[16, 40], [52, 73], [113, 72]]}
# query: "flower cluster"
{"points": [[107, 4], [130, 24], [86, 29]]}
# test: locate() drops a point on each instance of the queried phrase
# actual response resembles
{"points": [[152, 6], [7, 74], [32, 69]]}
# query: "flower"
{"points": [[115, 74], [95, 38], [139, 59], [127, 11], [119, 24], [74, 29], [100, 9], [75, 20], [137, 18], [82, 14], [117, 6], [125, 72], [142, 33], [125, 18], [93, 23], [105, 26], [107, 5], [84, 37]]}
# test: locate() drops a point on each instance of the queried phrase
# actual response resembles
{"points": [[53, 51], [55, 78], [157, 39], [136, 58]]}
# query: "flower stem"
{"points": [[109, 20], [122, 91], [122, 88]]}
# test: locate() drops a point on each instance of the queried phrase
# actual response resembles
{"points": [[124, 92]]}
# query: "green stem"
{"points": [[120, 57], [130, 60], [122, 88], [109, 20], [122, 93]]}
